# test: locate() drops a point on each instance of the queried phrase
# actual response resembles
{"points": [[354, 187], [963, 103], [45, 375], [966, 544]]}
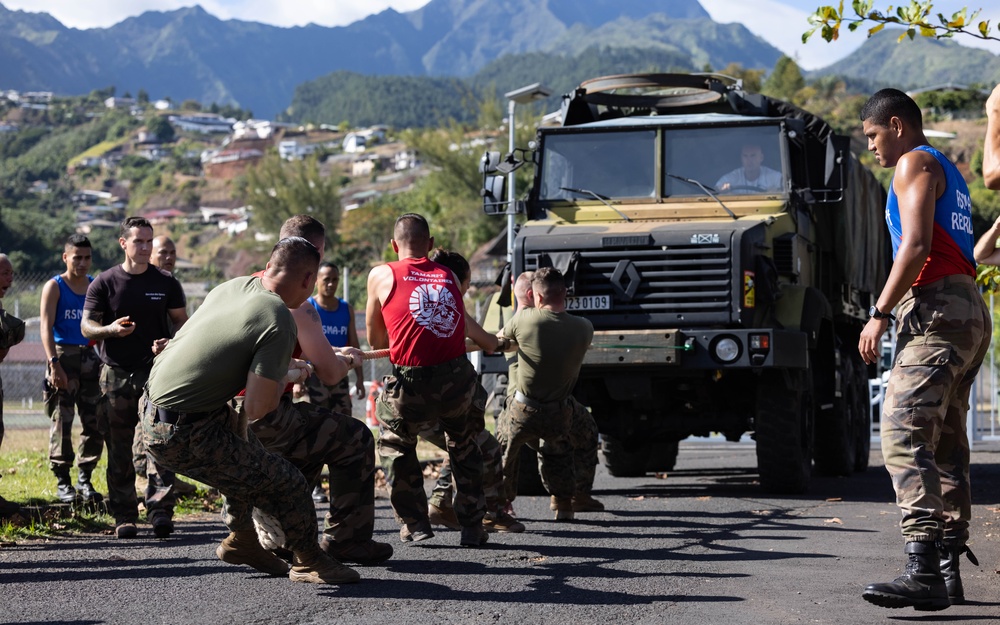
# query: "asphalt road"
{"points": [[702, 545]]}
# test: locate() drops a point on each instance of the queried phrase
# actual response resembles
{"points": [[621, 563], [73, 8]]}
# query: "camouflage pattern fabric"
{"points": [[336, 398], [415, 400], [943, 334], [583, 437], [207, 448], [1, 412], [119, 414], [138, 452], [83, 393], [488, 446], [311, 437], [549, 424]]}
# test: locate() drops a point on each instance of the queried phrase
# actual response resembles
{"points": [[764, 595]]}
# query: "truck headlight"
{"points": [[726, 349]]}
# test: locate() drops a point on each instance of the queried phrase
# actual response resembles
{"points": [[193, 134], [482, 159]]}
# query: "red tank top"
{"points": [[424, 314]]}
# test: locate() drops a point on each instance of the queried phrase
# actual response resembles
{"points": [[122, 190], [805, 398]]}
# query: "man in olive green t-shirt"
{"points": [[551, 345], [241, 337]]}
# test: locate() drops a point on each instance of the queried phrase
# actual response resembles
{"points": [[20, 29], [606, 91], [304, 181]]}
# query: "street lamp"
{"points": [[524, 95]]}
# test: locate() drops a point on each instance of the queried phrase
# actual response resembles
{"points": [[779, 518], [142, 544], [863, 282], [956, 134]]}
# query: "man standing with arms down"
{"points": [[242, 337], [551, 345], [943, 333], [72, 382], [128, 308], [415, 309]]}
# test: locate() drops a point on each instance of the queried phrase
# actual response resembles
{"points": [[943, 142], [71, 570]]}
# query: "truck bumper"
{"points": [[700, 349]]}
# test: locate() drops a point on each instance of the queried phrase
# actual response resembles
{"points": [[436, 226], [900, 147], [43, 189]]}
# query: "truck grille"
{"points": [[655, 286]]}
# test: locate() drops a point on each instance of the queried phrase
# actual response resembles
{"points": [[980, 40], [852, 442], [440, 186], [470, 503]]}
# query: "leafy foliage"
{"points": [[916, 17]]}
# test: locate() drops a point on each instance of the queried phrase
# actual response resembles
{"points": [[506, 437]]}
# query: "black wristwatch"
{"points": [[875, 313], [54, 359]]}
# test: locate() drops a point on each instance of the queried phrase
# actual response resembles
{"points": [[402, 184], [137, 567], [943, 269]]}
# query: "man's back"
{"points": [[551, 348], [241, 327]]}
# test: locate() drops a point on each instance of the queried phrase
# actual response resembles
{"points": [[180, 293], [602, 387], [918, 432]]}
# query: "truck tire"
{"points": [[662, 456], [842, 437], [784, 422], [621, 462]]}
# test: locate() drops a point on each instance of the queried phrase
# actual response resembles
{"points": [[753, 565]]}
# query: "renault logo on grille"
{"points": [[625, 280]]}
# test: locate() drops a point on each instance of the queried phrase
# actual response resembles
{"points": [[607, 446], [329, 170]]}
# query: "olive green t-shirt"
{"points": [[551, 347], [240, 328]]}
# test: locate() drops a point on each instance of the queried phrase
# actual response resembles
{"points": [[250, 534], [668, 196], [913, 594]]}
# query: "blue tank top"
{"points": [[69, 312], [335, 322], [952, 242]]}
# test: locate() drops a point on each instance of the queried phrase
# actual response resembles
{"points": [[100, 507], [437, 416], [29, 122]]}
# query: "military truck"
{"points": [[723, 302]]}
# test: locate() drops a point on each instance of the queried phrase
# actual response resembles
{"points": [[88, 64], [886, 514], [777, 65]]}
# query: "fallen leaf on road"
{"points": [[639, 498], [761, 512], [834, 499], [834, 520], [661, 476], [705, 498]]}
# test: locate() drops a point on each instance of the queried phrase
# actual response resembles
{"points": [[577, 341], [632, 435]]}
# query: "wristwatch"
{"points": [[54, 359], [875, 313]]}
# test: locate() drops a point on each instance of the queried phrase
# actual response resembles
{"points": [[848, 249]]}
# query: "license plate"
{"points": [[589, 302]]}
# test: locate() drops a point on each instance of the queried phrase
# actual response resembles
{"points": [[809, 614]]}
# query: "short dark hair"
{"points": [[452, 260], [133, 222], [888, 103], [330, 265], [309, 228], [76, 240], [549, 281], [411, 228], [295, 255]]}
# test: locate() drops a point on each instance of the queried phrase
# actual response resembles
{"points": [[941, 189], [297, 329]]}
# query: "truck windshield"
{"points": [[620, 164], [733, 160]]}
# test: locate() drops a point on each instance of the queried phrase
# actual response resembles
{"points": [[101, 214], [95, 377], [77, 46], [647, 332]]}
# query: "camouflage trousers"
{"points": [[583, 438], [442, 494], [548, 424], [207, 447], [415, 401], [311, 437], [336, 398], [83, 394], [119, 414], [944, 331]]}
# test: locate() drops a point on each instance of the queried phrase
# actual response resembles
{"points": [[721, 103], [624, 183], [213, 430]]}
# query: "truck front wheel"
{"points": [[783, 427], [621, 461]]}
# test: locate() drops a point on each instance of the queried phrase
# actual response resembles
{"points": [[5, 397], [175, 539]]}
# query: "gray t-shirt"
{"points": [[551, 347], [767, 180], [240, 328]]}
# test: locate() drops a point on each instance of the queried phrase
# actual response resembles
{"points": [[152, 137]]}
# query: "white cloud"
{"points": [[103, 13]]}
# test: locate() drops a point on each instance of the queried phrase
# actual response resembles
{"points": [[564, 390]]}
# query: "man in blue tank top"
{"points": [[337, 318], [72, 381], [943, 333]]}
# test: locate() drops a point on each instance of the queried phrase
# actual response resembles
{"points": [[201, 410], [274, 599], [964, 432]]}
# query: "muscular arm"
{"points": [[330, 368], [918, 182], [353, 341], [49, 306], [92, 329], [991, 147], [986, 247], [262, 396], [483, 339], [379, 284], [178, 317]]}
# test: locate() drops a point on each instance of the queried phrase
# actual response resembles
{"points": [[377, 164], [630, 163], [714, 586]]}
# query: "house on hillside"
{"points": [[204, 123], [222, 210], [119, 103], [228, 164]]}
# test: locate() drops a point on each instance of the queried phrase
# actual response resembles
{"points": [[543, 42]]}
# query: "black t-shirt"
{"points": [[145, 298]]}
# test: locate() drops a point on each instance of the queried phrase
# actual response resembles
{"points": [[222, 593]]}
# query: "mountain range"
{"points": [[459, 46]]}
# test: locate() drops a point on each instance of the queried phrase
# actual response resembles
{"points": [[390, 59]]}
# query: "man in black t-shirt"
{"points": [[127, 309]]}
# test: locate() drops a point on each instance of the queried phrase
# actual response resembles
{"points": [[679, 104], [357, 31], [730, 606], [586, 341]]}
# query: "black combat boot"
{"points": [[64, 485], [951, 553], [921, 586], [87, 491]]}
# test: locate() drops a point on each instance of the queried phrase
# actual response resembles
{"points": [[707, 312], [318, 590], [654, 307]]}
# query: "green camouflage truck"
{"points": [[721, 304]]}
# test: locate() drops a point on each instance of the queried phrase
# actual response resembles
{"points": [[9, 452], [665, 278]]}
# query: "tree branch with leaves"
{"points": [[917, 17]]}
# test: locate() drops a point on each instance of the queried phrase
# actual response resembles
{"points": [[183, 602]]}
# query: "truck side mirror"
{"points": [[489, 162], [494, 194]]}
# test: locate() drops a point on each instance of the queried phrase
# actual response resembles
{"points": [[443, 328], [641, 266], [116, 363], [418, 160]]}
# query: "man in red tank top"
{"points": [[415, 309]]}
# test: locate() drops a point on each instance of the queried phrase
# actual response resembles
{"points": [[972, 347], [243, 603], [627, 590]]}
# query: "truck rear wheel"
{"points": [[784, 421], [843, 439], [622, 462]]}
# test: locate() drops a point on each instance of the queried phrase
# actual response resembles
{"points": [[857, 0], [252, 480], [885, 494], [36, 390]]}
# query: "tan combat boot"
{"points": [[242, 547], [315, 567]]}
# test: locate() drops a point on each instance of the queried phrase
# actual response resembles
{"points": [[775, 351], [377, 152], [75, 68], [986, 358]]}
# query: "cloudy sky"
{"points": [[781, 22]]}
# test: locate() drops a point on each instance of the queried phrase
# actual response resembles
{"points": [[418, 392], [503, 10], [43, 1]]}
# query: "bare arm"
{"points": [[986, 247], [918, 182], [49, 306], [178, 317], [91, 326], [353, 341], [991, 147], [483, 339], [330, 368], [262, 396], [379, 284]]}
